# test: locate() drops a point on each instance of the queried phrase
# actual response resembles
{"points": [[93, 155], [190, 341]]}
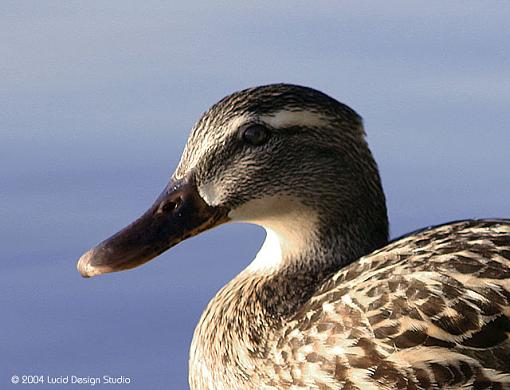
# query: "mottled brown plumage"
{"points": [[327, 303], [428, 311]]}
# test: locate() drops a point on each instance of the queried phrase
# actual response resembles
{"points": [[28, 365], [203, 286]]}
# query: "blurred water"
{"points": [[97, 99]]}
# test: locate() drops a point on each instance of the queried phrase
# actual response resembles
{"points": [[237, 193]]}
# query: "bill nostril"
{"points": [[171, 205]]}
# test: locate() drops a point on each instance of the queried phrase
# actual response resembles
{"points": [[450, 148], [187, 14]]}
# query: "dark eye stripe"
{"points": [[255, 134]]}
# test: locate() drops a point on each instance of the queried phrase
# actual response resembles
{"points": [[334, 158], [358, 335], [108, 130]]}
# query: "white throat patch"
{"points": [[289, 228]]}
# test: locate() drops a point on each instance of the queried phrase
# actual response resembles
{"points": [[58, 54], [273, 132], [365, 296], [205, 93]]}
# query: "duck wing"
{"points": [[430, 310]]}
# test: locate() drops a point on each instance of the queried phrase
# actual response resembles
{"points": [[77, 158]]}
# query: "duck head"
{"points": [[286, 157]]}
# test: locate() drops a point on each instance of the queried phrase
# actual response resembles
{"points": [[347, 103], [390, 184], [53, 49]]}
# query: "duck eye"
{"points": [[255, 134]]}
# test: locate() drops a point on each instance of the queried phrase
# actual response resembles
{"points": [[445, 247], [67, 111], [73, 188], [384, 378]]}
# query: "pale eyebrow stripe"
{"points": [[277, 120], [285, 118]]}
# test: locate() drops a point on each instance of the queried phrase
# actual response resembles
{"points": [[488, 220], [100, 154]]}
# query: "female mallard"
{"points": [[327, 303]]}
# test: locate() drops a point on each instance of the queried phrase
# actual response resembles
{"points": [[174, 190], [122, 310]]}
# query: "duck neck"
{"points": [[240, 323]]}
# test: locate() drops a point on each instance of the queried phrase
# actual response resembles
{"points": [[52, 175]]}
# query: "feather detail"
{"points": [[430, 310]]}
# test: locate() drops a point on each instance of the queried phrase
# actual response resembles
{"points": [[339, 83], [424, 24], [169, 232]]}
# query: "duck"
{"points": [[329, 302]]}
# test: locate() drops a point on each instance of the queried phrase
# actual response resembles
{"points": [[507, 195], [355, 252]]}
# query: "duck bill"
{"points": [[178, 213]]}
